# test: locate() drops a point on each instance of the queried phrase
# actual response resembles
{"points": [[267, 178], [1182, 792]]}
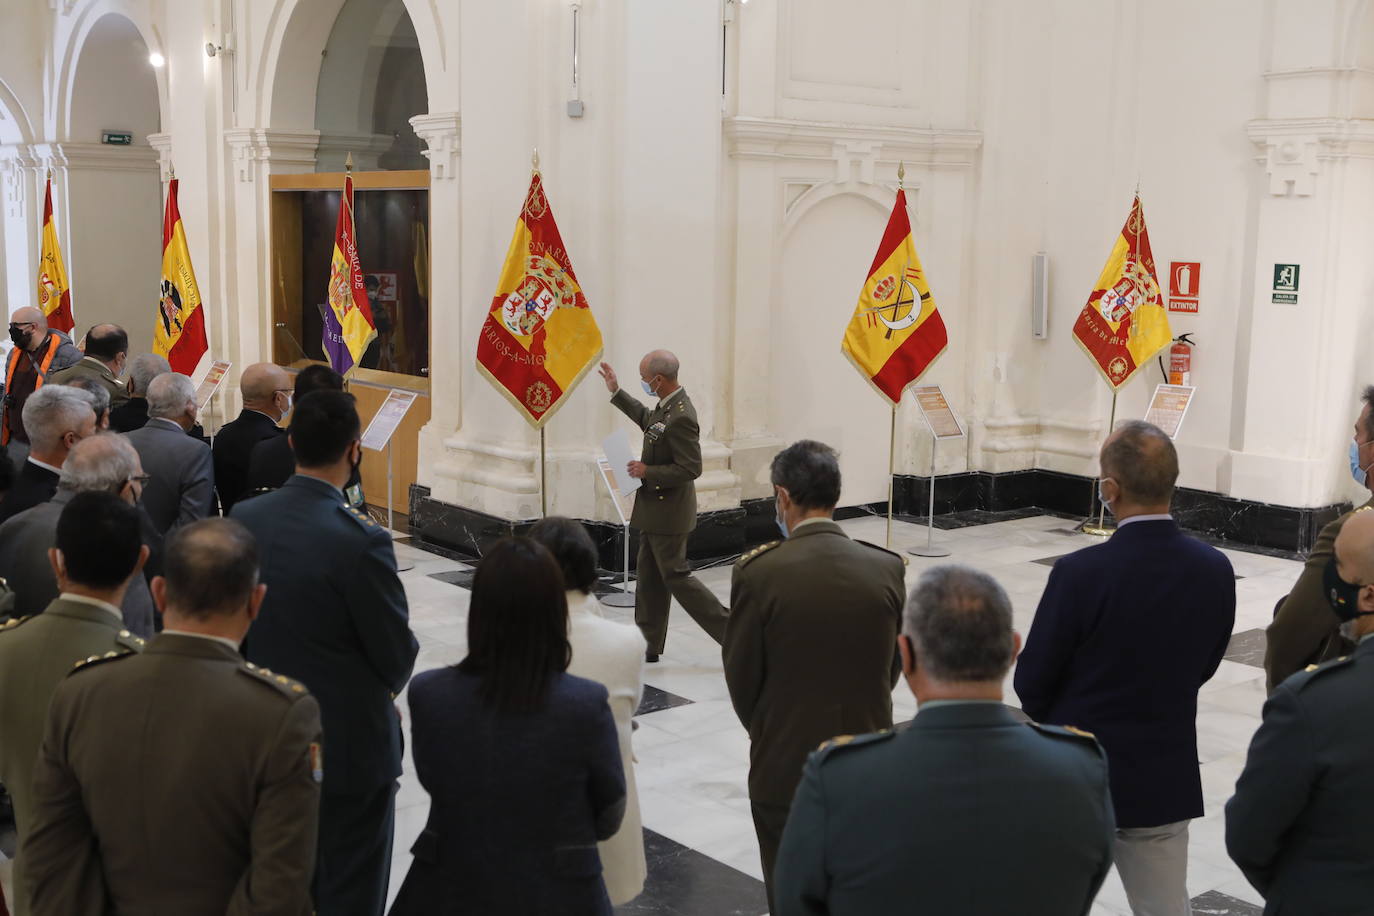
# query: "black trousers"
{"points": [[353, 861]]}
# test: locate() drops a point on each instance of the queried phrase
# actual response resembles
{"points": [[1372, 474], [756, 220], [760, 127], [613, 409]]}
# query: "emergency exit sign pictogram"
{"points": [[1185, 278]]}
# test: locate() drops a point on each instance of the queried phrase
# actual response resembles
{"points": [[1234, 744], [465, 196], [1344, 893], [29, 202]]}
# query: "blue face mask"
{"points": [[647, 389], [1357, 472], [777, 516]]}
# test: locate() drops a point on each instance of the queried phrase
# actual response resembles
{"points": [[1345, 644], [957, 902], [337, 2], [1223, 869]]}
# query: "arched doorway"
{"points": [[15, 249]]}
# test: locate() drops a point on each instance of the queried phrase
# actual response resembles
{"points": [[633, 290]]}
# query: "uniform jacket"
{"points": [[666, 501], [810, 648], [517, 801], [33, 486], [129, 416], [272, 463], [911, 822], [336, 618], [612, 654], [177, 781], [182, 488], [24, 543], [1299, 824], [1305, 629], [1125, 634], [36, 653], [92, 368], [232, 448]]}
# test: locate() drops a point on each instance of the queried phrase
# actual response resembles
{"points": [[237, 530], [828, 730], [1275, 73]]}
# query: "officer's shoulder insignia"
{"points": [[14, 622], [1066, 731], [315, 753], [362, 518], [841, 742], [130, 641], [281, 682], [891, 553], [751, 555], [1311, 672], [92, 660]]}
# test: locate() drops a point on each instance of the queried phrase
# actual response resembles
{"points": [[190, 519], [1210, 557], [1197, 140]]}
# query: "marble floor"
{"points": [[693, 755]]}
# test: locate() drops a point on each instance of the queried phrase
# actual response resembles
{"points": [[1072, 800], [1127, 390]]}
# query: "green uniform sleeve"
{"points": [[630, 406], [742, 651], [800, 883], [1304, 619]]}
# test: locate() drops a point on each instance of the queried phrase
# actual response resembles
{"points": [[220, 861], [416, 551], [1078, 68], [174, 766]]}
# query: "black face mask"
{"points": [[19, 336], [1343, 596]]}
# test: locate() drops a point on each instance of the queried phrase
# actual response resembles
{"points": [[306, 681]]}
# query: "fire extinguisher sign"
{"points": [[1185, 278]]}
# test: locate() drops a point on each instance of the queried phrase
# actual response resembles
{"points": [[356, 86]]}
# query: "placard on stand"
{"points": [[943, 424]]}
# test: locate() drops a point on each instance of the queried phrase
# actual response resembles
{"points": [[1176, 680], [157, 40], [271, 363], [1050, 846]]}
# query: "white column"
{"points": [[21, 186]]}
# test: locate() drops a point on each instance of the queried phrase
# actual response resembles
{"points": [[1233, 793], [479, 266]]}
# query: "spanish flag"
{"points": [[1125, 322], [348, 323], [54, 295], [179, 331], [896, 331], [539, 337]]}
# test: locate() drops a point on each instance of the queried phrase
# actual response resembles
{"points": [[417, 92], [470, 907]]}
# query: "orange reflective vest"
{"points": [[53, 347]]}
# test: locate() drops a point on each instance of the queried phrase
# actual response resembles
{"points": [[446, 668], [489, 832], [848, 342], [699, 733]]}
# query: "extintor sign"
{"points": [[1185, 278]]}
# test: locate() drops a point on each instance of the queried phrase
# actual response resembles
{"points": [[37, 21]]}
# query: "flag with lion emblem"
{"points": [[179, 330], [1124, 322], [539, 338]]}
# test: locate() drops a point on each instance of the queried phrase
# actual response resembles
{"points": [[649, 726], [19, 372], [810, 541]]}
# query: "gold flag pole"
{"points": [[891, 470]]}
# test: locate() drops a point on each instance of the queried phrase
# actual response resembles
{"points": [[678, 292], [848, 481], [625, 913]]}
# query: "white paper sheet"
{"points": [[617, 449]]}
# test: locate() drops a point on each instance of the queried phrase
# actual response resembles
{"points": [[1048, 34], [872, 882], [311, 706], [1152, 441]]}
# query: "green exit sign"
{"points": [[116, 137]]}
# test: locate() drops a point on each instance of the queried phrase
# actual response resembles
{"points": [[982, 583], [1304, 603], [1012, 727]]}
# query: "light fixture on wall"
{"points": [[212, 49], [156, 60]]}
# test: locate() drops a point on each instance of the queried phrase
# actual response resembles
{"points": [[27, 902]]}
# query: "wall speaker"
{"points": [[1040, 296]]}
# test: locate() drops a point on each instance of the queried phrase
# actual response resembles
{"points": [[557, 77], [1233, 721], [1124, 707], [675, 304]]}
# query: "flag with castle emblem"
{"points": [[54, 295], [539, 338], [348, 323], [1125, 322], [179, 329], [896, 331]]}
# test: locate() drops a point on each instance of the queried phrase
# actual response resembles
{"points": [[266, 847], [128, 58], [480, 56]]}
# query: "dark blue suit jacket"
{"points": [[336, 619], [517, 801], [1125, 634]]}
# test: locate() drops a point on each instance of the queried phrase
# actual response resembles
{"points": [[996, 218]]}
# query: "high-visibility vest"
{"points": [[53, 346]]}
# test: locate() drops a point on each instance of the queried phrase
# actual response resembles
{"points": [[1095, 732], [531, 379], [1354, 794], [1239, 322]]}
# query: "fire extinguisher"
{"points": [[1181, 360]]}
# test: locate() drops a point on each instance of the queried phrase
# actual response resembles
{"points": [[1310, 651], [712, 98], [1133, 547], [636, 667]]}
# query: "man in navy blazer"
{"points": [[336, 619], [1125, 635]]}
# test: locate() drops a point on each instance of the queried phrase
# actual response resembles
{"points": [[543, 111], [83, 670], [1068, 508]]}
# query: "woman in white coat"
{"points": [[611, 654]]}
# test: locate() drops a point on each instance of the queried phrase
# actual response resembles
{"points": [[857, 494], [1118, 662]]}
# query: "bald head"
{"points": [[659, 362], [260, 384], [29, 315], [110, 344], [1139, 467], [32, 324]]}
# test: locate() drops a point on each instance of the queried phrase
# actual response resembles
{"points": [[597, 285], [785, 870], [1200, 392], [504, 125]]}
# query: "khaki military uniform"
{"points": [[36, 653], [182, 780], [92, 368], [810, 653], [665, 513]]}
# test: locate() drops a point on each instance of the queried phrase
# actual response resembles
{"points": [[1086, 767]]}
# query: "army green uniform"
{"points": [[92, 368], [182, 780], [665, 513], [810, 653], [968, 811], [36, 653]]}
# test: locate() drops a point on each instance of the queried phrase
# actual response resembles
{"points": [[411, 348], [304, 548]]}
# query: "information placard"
{"points": [[388, 417], [623, 504], [213, 379], [937, 412], [1168, 406]]}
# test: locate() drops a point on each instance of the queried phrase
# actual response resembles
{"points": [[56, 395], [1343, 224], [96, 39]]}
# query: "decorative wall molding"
{"points": [[163, 144], [366, 148], [282, 150], [442, 134], [848, 145], [16, 162], [97, 156], [1292, 150]]}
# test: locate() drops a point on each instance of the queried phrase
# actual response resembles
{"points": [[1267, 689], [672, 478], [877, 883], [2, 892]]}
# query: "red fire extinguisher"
{"points": [[1181, 361]]}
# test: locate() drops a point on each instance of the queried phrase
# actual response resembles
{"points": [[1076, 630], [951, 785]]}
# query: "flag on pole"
{"points": [[896, 331], [539, 337], [348, 322], [179, 330], [54, 295], [1125, 322]]}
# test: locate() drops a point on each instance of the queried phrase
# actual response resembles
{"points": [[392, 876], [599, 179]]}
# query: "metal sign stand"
{"points": [[624, 597], [930, 550]]}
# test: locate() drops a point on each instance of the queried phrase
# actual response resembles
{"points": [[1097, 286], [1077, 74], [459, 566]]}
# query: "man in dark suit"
{"points": [[98, 554], [107, 351], [181, 486], [1125, 635], [810, 647], [266, 392], [56, 418], [1304, 631], [213, 809], [1299, 823], [905, 822], [665, 509], [336, 618], [133, 413]]}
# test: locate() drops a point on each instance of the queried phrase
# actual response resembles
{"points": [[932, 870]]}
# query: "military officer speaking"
{"points": [[665, 509]]}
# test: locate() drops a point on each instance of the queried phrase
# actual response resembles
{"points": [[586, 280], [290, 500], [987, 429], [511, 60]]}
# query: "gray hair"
{"points": [[960, 621], [98, 393], [168, 394], [104, 462], [53, 411], [143, 369]]}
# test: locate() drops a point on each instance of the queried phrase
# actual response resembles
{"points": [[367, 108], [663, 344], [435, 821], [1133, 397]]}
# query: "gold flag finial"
{"points": [[901, 174], [534, 160], [171, 171], [50, 173], [348, 163]]}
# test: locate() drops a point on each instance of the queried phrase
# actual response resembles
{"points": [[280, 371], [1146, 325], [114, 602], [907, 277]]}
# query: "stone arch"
{"points": [[70, 53], [15, 126], [880, 196]]}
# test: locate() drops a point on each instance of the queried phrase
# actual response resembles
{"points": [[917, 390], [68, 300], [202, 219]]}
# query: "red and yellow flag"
{"points": [[348, 323], [896, 331], [179, 331], [1125, 322], [539, 338], [54, 294]]}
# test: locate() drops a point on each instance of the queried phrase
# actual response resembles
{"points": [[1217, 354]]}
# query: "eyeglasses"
{"points": [[20, 325], [142, 479]]}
